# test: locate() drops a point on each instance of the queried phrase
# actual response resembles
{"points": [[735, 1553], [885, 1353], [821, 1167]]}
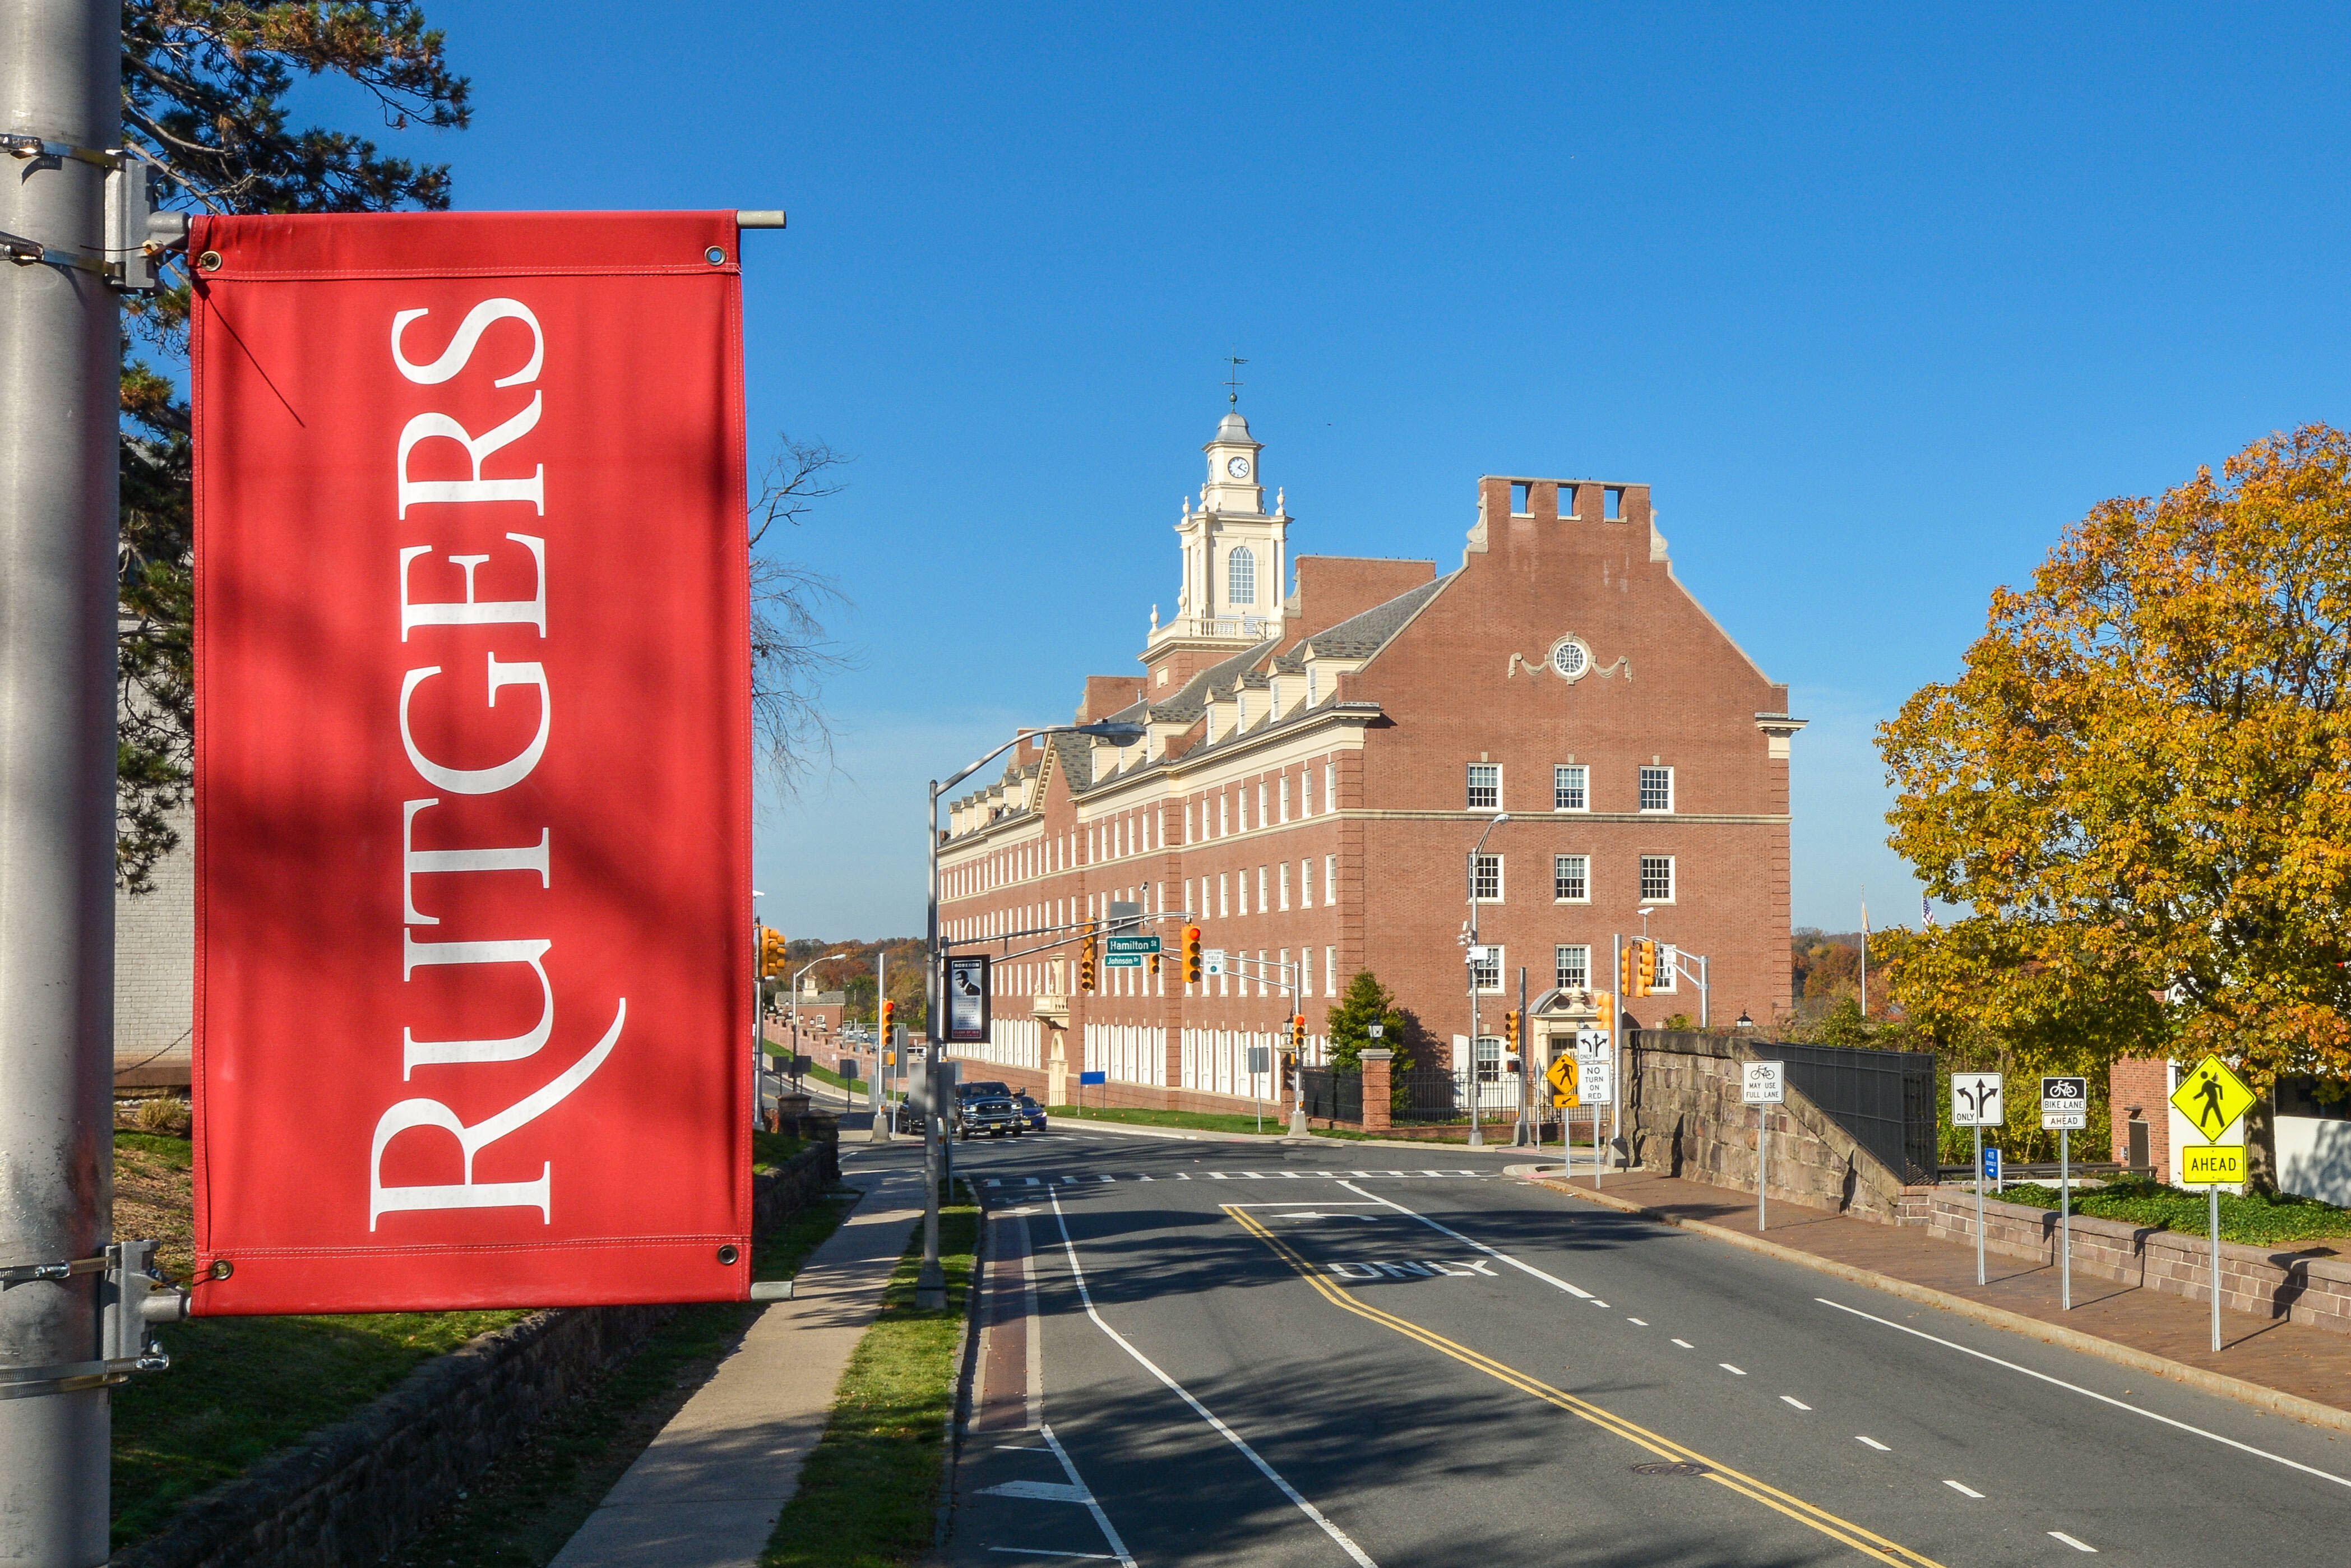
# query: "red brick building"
{"points": [[1325, 749]]}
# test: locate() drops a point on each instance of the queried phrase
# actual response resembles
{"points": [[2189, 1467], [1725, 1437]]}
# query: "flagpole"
{"points": [[1864, 950]]}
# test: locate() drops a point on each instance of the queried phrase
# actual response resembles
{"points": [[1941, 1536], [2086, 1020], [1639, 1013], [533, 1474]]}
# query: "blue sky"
{"points": [[1877, 299]]}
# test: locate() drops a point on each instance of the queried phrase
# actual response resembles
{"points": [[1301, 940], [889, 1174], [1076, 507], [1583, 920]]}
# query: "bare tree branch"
{"points": [[792, 652]]}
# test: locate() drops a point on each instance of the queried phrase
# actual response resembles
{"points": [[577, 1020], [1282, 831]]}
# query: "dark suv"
{"points": [[994, 1114]]}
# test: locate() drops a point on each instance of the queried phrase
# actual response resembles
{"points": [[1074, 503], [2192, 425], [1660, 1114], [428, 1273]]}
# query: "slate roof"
{"points": [[1361, 636]]}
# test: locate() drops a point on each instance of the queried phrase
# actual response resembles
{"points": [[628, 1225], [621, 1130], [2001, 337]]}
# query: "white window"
{"points": [[1223, 823], [1311, 674], [1486, 879], [1261, 973], [1571, 879], [1330, 971], [1306, 971], [1261, 904], [1567, 790], [1224, 890], [1571, 965], [1490, 1058], [1282, 958], [1240, 712], [1330, 786], [1306, 791], [1285, 797], [1243, 880], [1656, 788], [1485, 787], [1485, 968], [1240, 576], [1330, 879], [1260, 805], [1668, 969], [1188, 821], [1285, 885], [1657, 879], [1305, 885]]}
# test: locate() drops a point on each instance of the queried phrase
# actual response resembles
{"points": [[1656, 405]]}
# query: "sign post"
{"points": [[1763, 1084], [2212, 1097], [1976, 1103], [1596, 1087], [1566, 1081], [2065, 1105]]}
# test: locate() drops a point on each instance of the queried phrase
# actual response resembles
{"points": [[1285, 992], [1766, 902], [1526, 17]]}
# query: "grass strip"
{"points": [[772, 1151], [868, 1489], [2254, 1218], [519, 1513], [239, 1388]]}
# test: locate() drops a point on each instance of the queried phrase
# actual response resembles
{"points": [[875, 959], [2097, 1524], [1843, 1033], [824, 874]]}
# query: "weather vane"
{"points": [[1234, 381]]}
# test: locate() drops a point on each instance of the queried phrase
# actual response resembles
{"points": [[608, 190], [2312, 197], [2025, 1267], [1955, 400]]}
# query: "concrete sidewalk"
{"points": [[708, 1491], [2296, 1359]]}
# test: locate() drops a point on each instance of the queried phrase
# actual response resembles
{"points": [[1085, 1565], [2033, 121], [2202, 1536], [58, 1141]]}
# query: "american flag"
{"points": [[1926, 910]]}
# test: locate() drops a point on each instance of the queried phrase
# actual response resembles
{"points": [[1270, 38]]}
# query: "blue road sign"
{"points": [[1991, 1166], [1093, 1077]]}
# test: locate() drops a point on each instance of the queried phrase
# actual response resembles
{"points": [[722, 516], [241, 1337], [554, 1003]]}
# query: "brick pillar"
{"points": [[1376, 1088]]}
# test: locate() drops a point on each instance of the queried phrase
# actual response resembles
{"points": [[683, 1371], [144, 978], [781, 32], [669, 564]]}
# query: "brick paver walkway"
{"points": [[2312, 1363]]}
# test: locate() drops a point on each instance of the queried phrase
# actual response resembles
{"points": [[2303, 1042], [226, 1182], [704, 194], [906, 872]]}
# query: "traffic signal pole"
{"points": [[61, 85]]}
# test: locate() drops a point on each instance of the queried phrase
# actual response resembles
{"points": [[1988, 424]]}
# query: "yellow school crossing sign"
{"points": [[2212, 1097], [1562, 1076]]}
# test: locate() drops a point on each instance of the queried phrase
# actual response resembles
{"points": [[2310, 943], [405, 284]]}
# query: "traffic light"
{"points": [[1647, 973], [773, 957], [889, 1016], [1191, 955], [1297, 1034], [1625, 969], [1510, 1031], [1086, 962], [1150, 962], [1608, 1005]]}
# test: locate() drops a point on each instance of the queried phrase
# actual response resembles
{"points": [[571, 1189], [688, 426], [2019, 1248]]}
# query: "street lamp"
{"points": [[930, 1284], [1477, 1139], [828, 958]]}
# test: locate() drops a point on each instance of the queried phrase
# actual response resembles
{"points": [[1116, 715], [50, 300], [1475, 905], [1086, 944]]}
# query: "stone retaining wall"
{"points": [[358, 1490], [2306, 1286], [1686, 1117]]}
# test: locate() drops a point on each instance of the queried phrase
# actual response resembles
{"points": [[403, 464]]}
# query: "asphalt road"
{"points": [[1260, 1355]]}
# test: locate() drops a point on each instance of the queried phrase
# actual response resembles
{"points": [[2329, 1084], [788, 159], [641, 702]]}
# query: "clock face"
{"points": [[1237, 467]]}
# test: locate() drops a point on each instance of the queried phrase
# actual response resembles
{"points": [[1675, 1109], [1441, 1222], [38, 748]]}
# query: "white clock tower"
{"points": [[1234, 554]]}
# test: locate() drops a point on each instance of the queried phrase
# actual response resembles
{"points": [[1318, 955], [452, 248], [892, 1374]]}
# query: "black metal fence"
{"points": [[1331, 1094], [1425, 1094], [1886, 1099]]}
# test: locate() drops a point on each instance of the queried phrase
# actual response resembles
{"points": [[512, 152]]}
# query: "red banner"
{"points": [[473, 726]]}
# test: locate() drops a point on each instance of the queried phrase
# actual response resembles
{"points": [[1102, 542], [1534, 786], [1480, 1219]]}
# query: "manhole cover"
{"points": [[1670, 1468]]}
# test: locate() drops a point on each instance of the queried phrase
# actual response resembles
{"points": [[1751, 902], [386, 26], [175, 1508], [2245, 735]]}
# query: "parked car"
{"points": [[1032, 1115], [991, 1114]]}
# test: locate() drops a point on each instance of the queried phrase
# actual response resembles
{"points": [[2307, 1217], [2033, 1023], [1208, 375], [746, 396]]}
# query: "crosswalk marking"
{"points": [[1065, 1179]]}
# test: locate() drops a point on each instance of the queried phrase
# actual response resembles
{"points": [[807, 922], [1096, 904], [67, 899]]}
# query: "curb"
{"points": [[2271, 1399], [1281, 1138]]}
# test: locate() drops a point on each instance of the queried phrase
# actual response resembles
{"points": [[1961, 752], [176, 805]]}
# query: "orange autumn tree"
{"points": [[2140, 786]]}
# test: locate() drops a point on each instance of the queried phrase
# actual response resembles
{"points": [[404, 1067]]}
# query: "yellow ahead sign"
{"points": [[2212, 1097], [2212, 1165], [1562, 1076]]}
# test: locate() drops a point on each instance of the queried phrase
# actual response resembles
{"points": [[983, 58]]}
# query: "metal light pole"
{"points": [[811, 964], [60, 83], [930, 1284], [1477, 1139]]}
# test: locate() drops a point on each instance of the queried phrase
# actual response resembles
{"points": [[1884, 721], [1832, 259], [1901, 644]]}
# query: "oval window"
{"points": [[1571, 658]]}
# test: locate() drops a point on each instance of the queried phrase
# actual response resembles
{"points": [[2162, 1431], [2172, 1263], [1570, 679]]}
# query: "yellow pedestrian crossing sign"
{"points": [[2212, 1097], [1561, 1077]]}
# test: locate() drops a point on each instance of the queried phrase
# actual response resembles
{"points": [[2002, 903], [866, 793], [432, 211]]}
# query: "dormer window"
{"points": [[1240, 576]]}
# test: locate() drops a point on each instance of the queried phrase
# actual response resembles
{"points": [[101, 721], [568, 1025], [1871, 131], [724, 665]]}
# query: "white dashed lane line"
{"points": [[1726, 1366], [1685, 1345], [1965, 1491], [1872, 1443], [1792, 1399], [1637, 1322], [2076, 1545]]}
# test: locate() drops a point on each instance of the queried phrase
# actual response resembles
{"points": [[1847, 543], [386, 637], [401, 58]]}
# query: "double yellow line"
{"points": [[1865, 1542]]}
